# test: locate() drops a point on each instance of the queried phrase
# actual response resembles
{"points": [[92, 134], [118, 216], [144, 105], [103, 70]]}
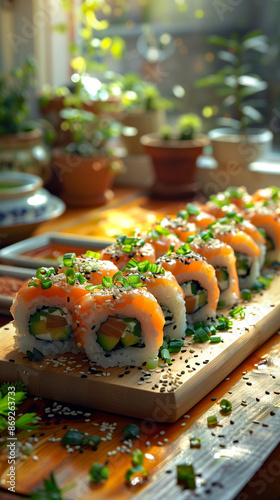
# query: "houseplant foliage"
{"points": [[21, 139], [239, 88], [86, 167], [142, 109], [174, 152]]}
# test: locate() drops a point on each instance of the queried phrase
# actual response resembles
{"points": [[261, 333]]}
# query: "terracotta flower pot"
{"points": [[146, 122], [85, 181], [25, 152], [174, 164]]}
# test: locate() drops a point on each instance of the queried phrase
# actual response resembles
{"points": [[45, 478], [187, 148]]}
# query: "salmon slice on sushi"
{"points": [[198, 280], [43, 312], [221, 256], [179, 226], [120, 325], [89, 265], [170, 296], [126, 248], [161, 238], [194, 214], [247, 252], [265, 215]]}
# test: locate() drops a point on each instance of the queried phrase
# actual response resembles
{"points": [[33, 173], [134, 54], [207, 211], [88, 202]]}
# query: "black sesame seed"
{"points": [[232, 422], [64, 427], [11, 360], [272, 413], [267, 392], [213, 399], [68, 299], [249, 383], [121, 375], [83, 376]]}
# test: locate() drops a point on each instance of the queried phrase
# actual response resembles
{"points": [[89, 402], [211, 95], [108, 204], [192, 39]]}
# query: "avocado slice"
{"points": [[50, 324], [202, 298], [108, 342], [126, 331], [222, 277]]}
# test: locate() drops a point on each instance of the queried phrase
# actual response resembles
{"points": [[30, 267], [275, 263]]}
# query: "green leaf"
{"points": [[252, 113], [51, 490], [27, 421], [228, 57], [252, 34], [252, 81], [219, 40], [209, 80], [17, 398], [258, 43]]}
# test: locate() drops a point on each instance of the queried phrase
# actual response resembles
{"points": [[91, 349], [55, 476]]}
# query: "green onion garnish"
{"points": [[215, 339], [137, 457], [170, 249], [206, 235], [198, 325], [175, 345], [33, 283], [162, 230], [189, 330], [131, 431], [249, 205], [220, 203], [107, 281], [68, 259], [136, 471], [134, 281], [132, 263], [70, 276], [98, 472], [42, 272], [237, 312], [183, 214], [234, 216], [184, 249], [80, 278], [153, 234], [225, 406], [212, 420], [191, 238], [246, 294], [195, 442], [72, 437], [265, 281], [152, 363], [192, 209], [262, 232], [200, 335], [224, 323], [186, 475], [46, 283], [232, 192], [94, 255], [91, 287], [165, 355]]}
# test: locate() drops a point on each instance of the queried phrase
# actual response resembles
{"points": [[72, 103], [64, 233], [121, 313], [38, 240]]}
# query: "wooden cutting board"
{"points": [[163, 395]]}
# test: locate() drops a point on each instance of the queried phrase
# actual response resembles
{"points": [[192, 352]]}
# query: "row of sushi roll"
{"points": [[142, 292]]}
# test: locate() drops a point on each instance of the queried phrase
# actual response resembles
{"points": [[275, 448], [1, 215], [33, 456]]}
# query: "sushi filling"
{"points": [[269, 244], [116, 333], [168, 316], [223, 278], [243, 264], [51, 324], [195, 296]]}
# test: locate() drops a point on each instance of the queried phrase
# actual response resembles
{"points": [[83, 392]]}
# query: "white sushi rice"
{"points": [[24, 341], [167, 296]]}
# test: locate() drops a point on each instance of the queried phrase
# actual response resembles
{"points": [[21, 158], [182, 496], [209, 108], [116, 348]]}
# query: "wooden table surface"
{"points": [[165, 439]]}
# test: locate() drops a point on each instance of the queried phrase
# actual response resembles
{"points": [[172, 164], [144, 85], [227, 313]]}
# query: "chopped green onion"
{"points": [[98, 472], [42, 272], [265, 281], [90, 287], [175, 345], [192, 209], [236, 217], [225, 406], [215, 339], [191, 238], [220, 203], [206, 235], [189, 330], [131, 431], [165, 355], [224, 323], [80, 278], [137, 457], [162, 230], [135, 281], [184, 249], [262, 232], [170, 249], [198, 325], [232, 192], [33, 283], [246, 294], [132, 263], [186, 475], [195, 442], [200, 335], [249, 205], [166, 339], [72, 437], [107, 281], [93, 441], [146, 266], [152, 363], [94, 255], [221, 304], [183, 214], [35, 355], [237, 312], [46, 283], [257, 286], [153, 234], [68, 259], [138, 469], [119, 278], [70, 275], [212, 420]]}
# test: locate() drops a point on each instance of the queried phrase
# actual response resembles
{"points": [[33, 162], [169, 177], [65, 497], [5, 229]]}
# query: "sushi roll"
{"points": [[198, 280], [265, 215], [127, 248], [89, 265], [247, 252], [161, 238], [43, 312], [170, 296], [221, 257], [179, 226], [270, 194], [237, 196], [120, 325], [194, 214]]}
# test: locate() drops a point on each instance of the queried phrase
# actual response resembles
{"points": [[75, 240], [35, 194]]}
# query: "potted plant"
{"points": [[174, 156], [86, 167], [238, 141], [22, 146], [143, 110]]}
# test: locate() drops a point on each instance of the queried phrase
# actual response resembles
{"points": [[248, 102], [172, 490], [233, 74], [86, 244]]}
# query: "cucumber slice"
{"points": [[50, 324], [222, 277]]}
